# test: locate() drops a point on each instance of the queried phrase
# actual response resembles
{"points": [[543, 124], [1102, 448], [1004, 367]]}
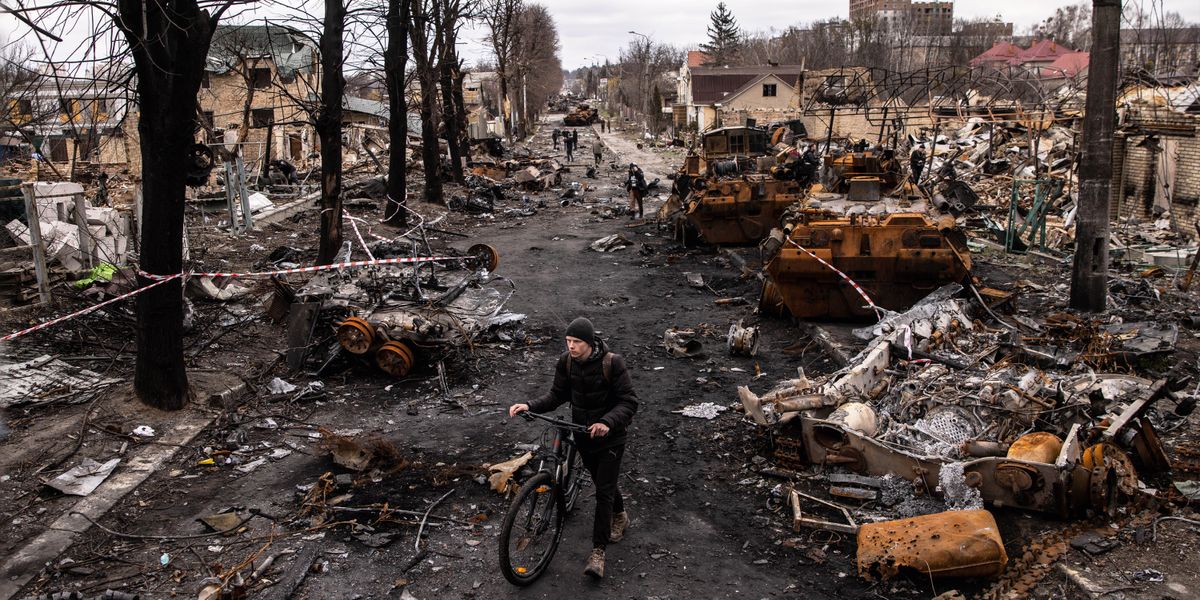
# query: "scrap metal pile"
{"points": [[951, 401], [397, 316]]}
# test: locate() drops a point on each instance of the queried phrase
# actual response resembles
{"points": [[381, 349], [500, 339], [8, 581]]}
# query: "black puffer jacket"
{"points": [[593, 399]]}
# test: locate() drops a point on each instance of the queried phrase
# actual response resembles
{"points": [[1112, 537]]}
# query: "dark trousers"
{"points": [[605, 467]]}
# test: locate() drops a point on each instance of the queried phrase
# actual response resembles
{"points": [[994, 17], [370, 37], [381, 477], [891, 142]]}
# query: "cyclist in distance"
{"points": [[597, 384]]}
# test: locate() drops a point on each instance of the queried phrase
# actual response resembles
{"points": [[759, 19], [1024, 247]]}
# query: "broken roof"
{"points": [[288, 48]]}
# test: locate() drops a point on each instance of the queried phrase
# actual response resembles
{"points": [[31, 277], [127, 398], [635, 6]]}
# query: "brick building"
{"points": [[253, 84], [1156, 151]]}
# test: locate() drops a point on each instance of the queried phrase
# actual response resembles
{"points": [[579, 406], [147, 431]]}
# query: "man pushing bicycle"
{"points": [[597, 384]]}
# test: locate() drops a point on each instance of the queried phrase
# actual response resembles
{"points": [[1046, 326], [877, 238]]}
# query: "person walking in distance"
{"points": [[554, 136], [569, 144], [598, 151], [635, 184], [598, 387]]}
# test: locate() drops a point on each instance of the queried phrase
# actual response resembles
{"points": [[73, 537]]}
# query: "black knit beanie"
{"points": [[582, 328]]}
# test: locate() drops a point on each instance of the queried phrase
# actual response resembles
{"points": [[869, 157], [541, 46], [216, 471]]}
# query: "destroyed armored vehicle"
{"points": [[735, 190], [894, 260], [582, 116], [397, 315]]}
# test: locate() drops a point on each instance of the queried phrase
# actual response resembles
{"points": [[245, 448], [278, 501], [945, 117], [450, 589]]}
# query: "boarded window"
{"points": [[768, 90], [58, 150], [261, 78], [262, 117]]}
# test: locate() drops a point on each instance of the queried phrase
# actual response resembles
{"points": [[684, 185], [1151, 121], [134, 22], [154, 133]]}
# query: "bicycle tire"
{"points": [[574, 482], [520, 574]]}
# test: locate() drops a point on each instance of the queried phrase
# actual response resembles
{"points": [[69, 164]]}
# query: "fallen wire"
{"points": [[136, 536], [1154, 527], [417, 544]]}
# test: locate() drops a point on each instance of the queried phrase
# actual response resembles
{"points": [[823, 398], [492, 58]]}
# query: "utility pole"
{"points": [[644, 84], [1089, 277]]}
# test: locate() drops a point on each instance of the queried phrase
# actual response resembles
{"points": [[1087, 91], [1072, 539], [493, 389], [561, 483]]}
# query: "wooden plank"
{"points": [[301, 320], [35, 242]]}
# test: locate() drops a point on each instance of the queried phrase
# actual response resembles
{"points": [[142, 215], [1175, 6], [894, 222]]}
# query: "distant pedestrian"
{"points": [[554, 136], [569, 144], [635, 184], [601, 125], [575, 138], [598, 151]]}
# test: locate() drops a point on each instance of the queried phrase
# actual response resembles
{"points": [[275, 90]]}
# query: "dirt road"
{"points": [[705, 525]]}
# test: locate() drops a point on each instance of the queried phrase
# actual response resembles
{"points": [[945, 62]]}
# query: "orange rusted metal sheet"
{"points": [[961, 543], [897, 260]]}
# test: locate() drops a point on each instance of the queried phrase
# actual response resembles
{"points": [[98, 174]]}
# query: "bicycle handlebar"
{"points": [[530, 416]]}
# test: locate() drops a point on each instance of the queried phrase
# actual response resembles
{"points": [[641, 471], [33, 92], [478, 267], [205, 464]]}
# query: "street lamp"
{"points": [[645, 79]]}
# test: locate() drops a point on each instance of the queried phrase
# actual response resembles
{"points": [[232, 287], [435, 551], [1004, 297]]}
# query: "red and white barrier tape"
{"points": [[342, 265], [16, 334], [857, 288], [161, 279]]}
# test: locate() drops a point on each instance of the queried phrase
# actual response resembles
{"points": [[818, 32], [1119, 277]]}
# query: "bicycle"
{"points": [[540, 507]]}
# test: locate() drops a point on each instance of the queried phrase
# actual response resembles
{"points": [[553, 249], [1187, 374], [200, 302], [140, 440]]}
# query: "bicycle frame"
{"points": [[561, 452]]}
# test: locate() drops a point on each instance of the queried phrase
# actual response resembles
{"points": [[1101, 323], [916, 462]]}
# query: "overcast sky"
{"points": [[592, 30], [587, 28]]}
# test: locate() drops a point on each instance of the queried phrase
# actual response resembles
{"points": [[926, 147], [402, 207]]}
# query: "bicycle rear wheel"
{"points": [[531, 530]]}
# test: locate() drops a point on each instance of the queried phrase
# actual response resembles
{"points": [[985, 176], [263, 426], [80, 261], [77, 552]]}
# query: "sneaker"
{"points": [[620, 523], [595, 564]]}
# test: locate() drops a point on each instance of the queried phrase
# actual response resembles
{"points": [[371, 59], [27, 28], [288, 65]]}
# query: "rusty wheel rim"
{"points": [[355, 335], [395, 359]]}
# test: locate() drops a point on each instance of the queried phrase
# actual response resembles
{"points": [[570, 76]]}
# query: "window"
{"points": [[768, 90], [262, 117], [205, 82], [261, 78]]}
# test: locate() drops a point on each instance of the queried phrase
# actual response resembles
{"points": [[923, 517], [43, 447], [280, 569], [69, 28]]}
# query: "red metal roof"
{"points": [[696, 58], [1067, 65]]}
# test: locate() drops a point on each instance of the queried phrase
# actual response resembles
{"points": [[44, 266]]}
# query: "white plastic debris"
{"points": [[279, 386], [704, 410], [143, 431]]}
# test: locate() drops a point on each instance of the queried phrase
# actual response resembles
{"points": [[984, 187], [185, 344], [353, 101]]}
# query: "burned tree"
{"points": [[449, 18], [421, 27], [395, 63], [328, 121], [169, 42]]}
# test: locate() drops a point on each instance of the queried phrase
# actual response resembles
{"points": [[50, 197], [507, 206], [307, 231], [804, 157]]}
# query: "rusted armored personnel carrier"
{"points": [[582, 116], [734, 191], [896, 259]]}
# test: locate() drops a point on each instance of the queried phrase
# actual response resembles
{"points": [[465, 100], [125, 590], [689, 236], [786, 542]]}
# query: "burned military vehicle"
{"points": [[735, 190]]}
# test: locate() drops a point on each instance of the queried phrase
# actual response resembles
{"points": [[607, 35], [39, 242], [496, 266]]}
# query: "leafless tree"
{"points": [[537, 70], [642, 63], [395, 68], [503, 35], [422, 33]]}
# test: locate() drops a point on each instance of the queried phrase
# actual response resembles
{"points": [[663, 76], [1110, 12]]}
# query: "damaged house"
{"points": [[714, 96], [73, 120], [253, 83]]}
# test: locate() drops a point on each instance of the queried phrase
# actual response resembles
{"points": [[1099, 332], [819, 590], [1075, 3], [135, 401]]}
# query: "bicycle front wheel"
{"points": [[531, 530]]}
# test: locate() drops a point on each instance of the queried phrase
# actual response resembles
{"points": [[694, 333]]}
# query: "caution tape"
{"points": [[161, 279], [313, 269], [853, 284], [16, 334]]}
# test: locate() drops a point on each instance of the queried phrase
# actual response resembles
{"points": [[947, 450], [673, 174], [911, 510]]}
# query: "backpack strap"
{"points": [[605, 363]]}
